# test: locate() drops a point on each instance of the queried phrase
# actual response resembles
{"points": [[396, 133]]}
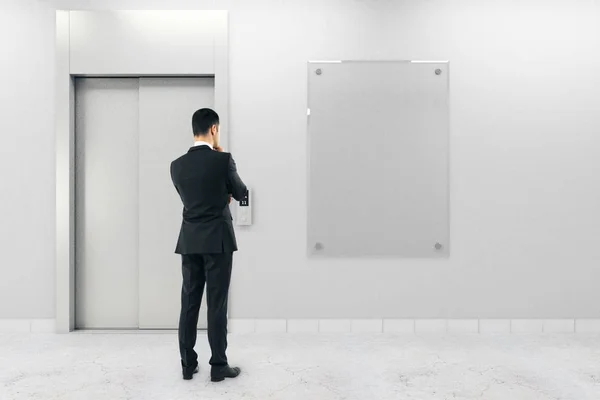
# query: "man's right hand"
{"points": [[218, 148]]}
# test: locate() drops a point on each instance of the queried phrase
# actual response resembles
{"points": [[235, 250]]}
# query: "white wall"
{"points": [[26, 160], [525, 133]]}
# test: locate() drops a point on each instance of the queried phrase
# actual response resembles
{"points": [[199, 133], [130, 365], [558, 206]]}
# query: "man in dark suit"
{"points": [[206, 178]]}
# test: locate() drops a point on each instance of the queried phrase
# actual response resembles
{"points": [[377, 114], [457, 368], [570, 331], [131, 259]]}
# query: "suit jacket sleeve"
{"points": [[173, 178], [235, 185]]}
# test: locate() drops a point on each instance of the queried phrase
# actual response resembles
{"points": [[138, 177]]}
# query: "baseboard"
{"points": [[27, 326], [415, 326], [360, 326]]}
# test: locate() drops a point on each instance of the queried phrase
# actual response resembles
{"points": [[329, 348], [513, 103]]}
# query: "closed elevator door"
{"points": [[127, 211]]}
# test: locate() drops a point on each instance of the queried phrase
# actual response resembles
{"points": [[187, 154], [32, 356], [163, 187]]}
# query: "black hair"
{"points": [[203, 120]]}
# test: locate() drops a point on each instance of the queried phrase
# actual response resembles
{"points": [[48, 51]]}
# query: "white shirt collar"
{"points": [[203, 143]]}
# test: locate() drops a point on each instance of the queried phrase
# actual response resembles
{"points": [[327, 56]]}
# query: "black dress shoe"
{"points": [[218, 374], [188, 373]]}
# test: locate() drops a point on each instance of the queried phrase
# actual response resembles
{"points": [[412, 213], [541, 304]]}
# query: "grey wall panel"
{"points": [[106, 193], [166, 108], [65, 180], [378, 150], [143, 42]]}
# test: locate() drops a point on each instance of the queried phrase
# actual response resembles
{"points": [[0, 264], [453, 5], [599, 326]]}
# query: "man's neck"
{"points": [[203, 141]]}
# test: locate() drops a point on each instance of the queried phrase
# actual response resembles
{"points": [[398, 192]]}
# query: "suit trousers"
{"points": [[214, 272]]}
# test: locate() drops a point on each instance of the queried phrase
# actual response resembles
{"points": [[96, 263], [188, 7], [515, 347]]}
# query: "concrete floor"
{"points": [[145, 366]]}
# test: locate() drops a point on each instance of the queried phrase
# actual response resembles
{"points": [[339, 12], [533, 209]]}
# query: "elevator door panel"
{"points": [[106, 203], [128, 213], [166, 108]]}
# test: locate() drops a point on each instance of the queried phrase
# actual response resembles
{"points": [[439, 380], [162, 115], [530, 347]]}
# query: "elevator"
{"points": [[127, 213]]}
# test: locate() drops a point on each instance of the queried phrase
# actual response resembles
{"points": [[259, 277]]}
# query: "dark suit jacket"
{"points": [[204, 179]]}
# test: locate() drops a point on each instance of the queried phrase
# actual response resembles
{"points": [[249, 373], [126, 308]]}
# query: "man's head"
{"points": [[205, 124]]}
